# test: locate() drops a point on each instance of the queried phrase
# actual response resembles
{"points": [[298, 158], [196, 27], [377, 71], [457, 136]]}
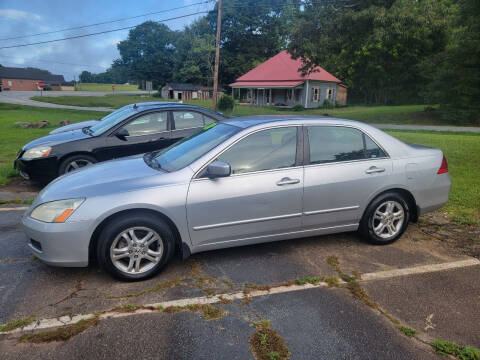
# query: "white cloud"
{"points": [[18, 14]]}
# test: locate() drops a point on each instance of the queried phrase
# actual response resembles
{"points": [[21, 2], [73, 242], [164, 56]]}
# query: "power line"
{"points": [[105, 22], [46, 61], [98, 33], [133, 26]]}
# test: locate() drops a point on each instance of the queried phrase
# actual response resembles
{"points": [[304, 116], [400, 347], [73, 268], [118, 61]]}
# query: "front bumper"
{"points": [[40, 168], [58, 244]]}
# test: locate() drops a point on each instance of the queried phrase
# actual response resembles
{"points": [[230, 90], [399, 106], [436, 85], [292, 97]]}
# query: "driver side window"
{"points": [[147, 124], [263, 150]]}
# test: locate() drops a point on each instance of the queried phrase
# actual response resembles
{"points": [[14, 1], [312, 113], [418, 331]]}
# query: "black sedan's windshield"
{"points": [[186, 151], [111, 120]]}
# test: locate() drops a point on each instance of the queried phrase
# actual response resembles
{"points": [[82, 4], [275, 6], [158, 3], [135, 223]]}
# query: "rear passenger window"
{"points": [[372, 150], [190, 119], [332, 144]]}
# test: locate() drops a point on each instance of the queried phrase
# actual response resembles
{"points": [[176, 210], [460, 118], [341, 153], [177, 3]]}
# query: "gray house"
{"points": [[279, 81]]}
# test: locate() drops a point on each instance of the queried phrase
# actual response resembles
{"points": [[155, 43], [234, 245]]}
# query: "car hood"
{"points": [[115, 176], [76, 126], [55, 139]]}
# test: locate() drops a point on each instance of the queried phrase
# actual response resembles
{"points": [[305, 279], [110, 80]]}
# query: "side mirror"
{"points": [[122, 134], [218, 169]]}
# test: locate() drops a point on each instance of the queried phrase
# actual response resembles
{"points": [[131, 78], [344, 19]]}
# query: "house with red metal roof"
{"points": [[279, 81]]}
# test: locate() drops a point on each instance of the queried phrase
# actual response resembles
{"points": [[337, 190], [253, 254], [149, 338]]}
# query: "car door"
{"points": [[188, 122], [261, 197], [344, 167], [146, 132]]}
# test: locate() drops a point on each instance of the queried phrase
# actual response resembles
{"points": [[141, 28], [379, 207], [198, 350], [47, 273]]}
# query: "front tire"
{"points": [[385, 219], [135, 247], [75, 162]]}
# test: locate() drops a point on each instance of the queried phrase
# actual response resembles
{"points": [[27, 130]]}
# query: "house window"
{"points": [[330, 94], [9, 83], [21, 83], [315, 93]]}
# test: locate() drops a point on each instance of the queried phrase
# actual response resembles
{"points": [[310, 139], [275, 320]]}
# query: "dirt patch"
{"points": [[266, 344], [460, 238], [60, 334], [19, 185]]}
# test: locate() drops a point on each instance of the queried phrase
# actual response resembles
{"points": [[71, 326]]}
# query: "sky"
{"points": [[93, 53]]}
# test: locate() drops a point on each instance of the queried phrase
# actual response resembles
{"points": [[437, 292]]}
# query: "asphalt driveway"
{"points": [[315, 322]]}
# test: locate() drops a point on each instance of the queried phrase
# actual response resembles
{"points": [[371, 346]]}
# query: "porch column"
{"points": [[293, 96]]}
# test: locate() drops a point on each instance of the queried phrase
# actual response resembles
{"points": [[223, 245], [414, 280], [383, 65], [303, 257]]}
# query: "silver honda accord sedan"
{"points": [[240, 182]]}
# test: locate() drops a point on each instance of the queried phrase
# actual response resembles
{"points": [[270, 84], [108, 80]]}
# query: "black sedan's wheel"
{"points": [[385, 219], [75, 162], [135, 246]]}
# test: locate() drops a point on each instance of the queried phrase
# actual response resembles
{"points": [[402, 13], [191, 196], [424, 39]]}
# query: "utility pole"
{"points": [[217, 56]]}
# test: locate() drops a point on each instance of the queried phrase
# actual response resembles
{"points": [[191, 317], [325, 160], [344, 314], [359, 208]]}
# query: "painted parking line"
{"points": [[14, 208], [203, 300]]}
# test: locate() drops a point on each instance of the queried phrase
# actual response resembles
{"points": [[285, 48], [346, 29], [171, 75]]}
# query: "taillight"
{"points": [[444, 167]]}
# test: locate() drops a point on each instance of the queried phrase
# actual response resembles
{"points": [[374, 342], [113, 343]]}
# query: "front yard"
{"points": [[461, 149], [405, 114]]}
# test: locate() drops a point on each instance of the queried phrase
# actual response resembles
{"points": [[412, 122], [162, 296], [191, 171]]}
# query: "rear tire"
{"points": [[135, 238], [75, 162], [385, 219]]}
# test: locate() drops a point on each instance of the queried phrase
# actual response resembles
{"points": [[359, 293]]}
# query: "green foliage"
{"points": [[449, 348], [298, 107], [12, 325], [455, 71], [374, 46], [407, 331], [225, 103]]}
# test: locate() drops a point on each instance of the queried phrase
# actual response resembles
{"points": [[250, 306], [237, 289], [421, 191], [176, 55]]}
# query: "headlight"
{"points": [[56, 211], [36, 152]]}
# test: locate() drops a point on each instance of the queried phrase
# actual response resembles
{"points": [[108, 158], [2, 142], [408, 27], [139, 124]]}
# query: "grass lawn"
{"points": [[405, 114], [105, 87], [461, 149], [14, 137]]}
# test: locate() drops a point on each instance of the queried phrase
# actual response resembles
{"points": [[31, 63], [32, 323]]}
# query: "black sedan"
{"points": [[130, 130]]}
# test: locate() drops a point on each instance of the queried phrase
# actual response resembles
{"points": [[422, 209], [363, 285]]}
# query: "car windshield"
{"points": [[111, 120], [191, 148]]}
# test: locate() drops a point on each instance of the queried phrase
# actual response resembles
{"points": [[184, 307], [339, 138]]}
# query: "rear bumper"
{"points": [[37, 169], [435, 196], [58, 244]]}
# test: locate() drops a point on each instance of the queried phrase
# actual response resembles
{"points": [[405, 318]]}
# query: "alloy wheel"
{"points": [[388, 219], [77, 164], [136, 250]]}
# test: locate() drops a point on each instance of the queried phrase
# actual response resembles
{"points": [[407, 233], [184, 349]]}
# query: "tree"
{"points": [[148, 52], [86, 77], [195, 54], [252, 32], [375, 46], [455, 71]]}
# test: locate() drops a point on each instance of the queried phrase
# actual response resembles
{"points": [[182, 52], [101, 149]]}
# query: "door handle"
{"points": [[287, 181], [374, 169]]}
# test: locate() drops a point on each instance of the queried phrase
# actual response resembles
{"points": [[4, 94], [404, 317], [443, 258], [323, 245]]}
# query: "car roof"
{"points": [[249, 121], [163, 104]]}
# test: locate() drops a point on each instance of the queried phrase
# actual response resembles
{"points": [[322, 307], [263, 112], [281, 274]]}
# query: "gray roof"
{"points": [[181, 86], [30, 74]]}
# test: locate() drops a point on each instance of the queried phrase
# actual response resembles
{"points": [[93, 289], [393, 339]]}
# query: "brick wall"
{"points": [[19, 84]]}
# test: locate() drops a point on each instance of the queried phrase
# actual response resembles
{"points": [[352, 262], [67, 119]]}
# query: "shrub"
{"points": [[328, 104], [225, 103], [298, 107], [158, 94]]}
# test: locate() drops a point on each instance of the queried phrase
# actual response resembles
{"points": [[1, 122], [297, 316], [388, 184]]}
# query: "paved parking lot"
{"points": [[314, 321]]}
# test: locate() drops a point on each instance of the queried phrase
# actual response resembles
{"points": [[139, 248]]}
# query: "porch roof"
{"points": [[267, 84]]}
